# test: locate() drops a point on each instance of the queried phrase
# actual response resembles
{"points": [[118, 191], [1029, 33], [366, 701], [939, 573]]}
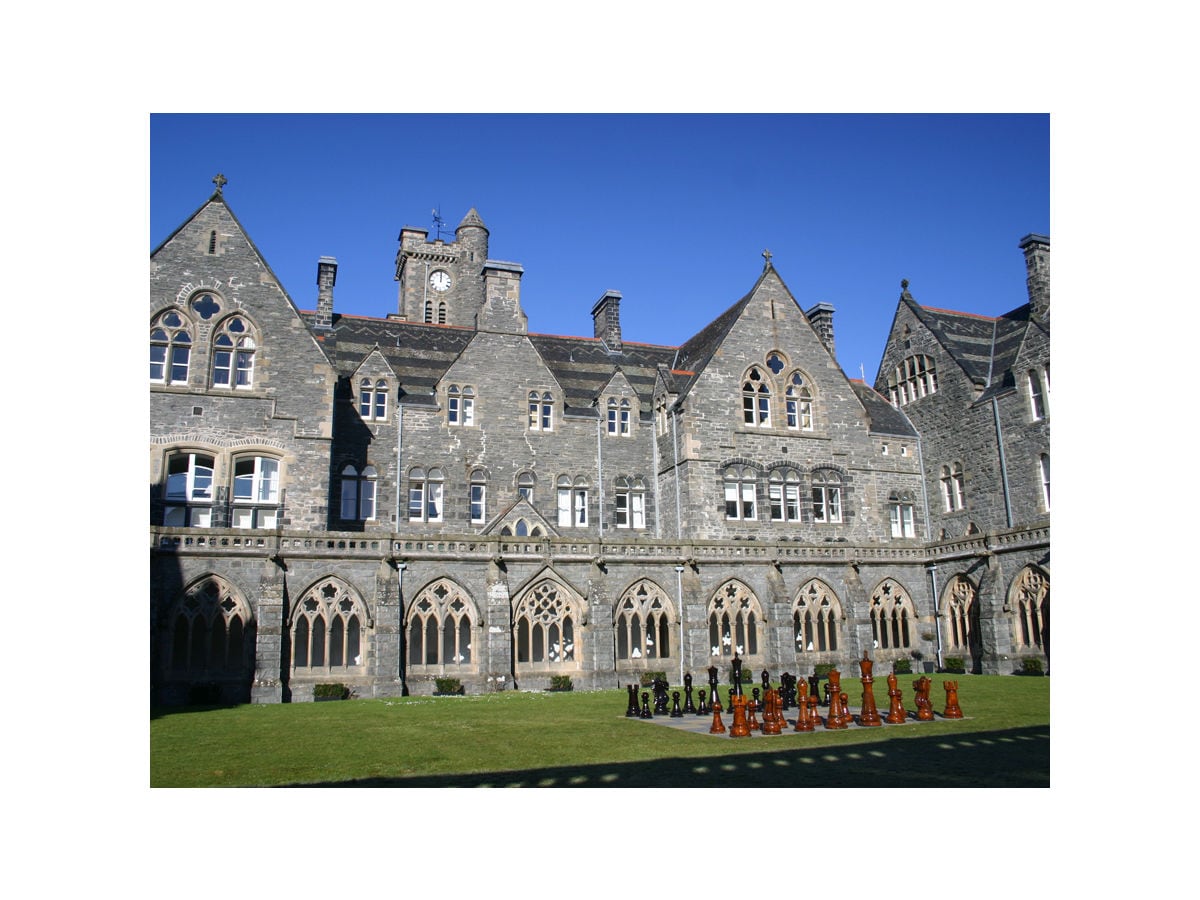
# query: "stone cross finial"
{"points": [[766, 254], [220, 181]]}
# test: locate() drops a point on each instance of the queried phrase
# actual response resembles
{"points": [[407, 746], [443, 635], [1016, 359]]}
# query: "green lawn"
{"points": [[584, 739]]}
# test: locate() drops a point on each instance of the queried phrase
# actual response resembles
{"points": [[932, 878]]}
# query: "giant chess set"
{"points": [[773, 703]]}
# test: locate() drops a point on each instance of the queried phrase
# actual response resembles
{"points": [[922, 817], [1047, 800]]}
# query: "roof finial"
{"points": [[904, 294], [766, 254], [220, 181]]}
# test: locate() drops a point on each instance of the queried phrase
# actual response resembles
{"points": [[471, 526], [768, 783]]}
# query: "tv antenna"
{"points": [[438, 221]]}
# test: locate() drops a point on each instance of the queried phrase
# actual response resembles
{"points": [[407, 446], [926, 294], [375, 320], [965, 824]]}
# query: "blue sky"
{"points": [[674, 211]]}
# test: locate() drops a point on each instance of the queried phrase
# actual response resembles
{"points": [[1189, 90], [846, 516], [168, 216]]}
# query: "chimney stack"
{"points": [[326, 276], [606, 316], [821, 319], [1037, 274]]}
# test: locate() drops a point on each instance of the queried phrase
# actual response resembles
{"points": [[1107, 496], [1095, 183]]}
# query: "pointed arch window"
{"points": [[798, 404], [892, 617], [211, 632], [756, 400], [1032, 608], [170, 348], [644, 622], [961, 614], [914, 378], [327, 629], [816, 615], [440, 627], [733, 619], [233, 354], [544, 621]]}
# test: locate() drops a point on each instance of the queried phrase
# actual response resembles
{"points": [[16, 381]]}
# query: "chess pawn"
{"points": [[689, 706], [718, 727], [751, 719], [676, 712], [847, 718], [814, 717], [803, 721], [757, 701], [646, 714], [740, 727], [952, 709], [702, 709], [896, 714]]}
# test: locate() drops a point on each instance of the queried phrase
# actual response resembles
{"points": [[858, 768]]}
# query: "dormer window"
{"points": [[618, 417], [373, 399]]}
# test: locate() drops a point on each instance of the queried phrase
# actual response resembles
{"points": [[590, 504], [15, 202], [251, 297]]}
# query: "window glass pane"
{"points": [[564, 507], [267, 518], [367, 507], [268, 488], [221, 361], [416, 500], [621, 511], [434, 508], [179, 362], [243, 480], [243, 518], [349, 498], [639, 510], [245, 368]]}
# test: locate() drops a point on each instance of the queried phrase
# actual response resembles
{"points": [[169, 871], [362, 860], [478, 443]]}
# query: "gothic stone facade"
{"points": [[382, 502]]}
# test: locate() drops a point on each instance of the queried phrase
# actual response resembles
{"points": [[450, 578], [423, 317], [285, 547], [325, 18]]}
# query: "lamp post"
{"points": [[679, 597]]}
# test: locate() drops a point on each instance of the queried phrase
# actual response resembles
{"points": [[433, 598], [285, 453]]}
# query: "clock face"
{"points": [[440, 281]]}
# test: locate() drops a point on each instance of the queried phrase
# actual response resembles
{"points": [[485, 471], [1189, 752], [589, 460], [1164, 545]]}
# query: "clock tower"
{"points": [[441, 283]]}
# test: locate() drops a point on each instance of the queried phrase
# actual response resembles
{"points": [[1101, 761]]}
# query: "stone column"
{"points": [[270, 660], [496, 662], [384, 663]]}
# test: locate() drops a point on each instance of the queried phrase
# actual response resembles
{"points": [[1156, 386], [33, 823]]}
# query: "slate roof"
{"points": [[885, 418]]}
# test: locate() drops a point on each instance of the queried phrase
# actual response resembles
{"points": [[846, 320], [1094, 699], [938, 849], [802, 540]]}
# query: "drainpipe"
{"points": [[1003, 465], [679, 596], [400, 567], [399, 456], [600, 468], [675, 446], [937, 626]]}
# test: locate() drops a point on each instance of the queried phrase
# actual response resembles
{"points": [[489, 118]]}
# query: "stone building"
{"points": [[440, 492]]}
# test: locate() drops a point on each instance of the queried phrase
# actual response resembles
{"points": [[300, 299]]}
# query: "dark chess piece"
{"points": [[868, 715], [646, 714], [688, 706], [814, 685], [952, 709], [718, 727], [828, 690], [737, 677], [631, 711], [676, 712], [787, 691], [703, 708], [740, 727], [756, 700], [660, 697], [833, 693], [766, 682], [896, 714]]}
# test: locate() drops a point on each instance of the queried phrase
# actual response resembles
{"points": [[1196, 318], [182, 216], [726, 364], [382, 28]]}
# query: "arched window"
{"points": [[233, 354], [618, 417], [783, 490], [954, 496], [544, 621], [914, 378], [643, 620], [629, 502], [425, 495], [428, 312], [255, 492], [756, 400], [373, 399], [961, 614], [733, 619], [1044, 473], [827, 496], [1030, 603], [189, 492], [798, 404], [541, 411], [525, 485], [816, 615], [460, 405], [211, 632], [440, 627], [741, 494], [327, 629], [572, 502], [358, 493], [441, 312], [893, 616], [170, 348], [1037, 395]]}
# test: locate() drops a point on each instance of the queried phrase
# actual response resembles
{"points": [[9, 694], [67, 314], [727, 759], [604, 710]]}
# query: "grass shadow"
{"points": [[1013, 758]]}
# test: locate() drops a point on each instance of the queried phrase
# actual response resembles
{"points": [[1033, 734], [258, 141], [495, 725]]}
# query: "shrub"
{"points": [[448, 686], [335, 689], [648, 678], [822, 670], [561, 683], [1031, 666], [902, 667], [954, 665]]}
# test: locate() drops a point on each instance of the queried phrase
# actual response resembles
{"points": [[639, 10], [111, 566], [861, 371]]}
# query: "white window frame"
{"points": [[541, 411], [260, 507], [1044, 474], [176, 345], [901, 514], [477, 498], [358, 494], [826, 501], [192, 503]]}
